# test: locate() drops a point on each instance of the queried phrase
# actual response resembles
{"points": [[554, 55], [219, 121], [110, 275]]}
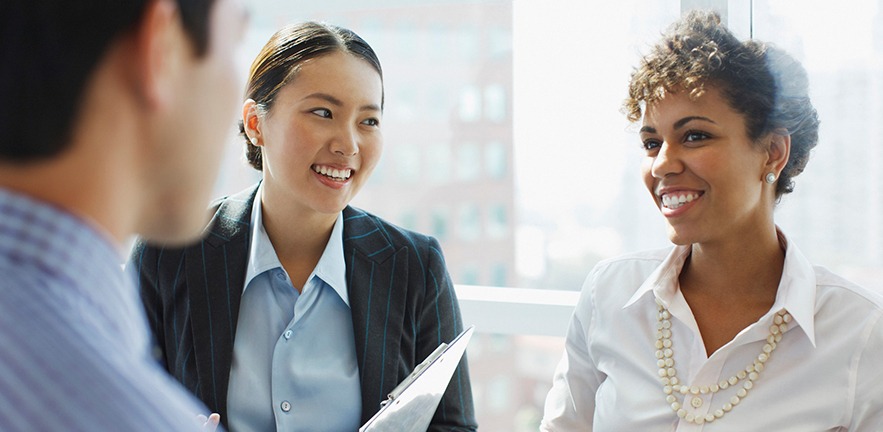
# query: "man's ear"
{"points": [[159, 46], [251, 122], [778, 151]]}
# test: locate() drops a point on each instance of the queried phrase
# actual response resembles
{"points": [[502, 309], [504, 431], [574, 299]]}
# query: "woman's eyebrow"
{"points": [[337, 102], [680, 123], [324, 96]]}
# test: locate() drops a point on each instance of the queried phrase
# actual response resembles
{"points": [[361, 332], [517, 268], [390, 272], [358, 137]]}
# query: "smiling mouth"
{"points": [[332, 173], [674, 200]]}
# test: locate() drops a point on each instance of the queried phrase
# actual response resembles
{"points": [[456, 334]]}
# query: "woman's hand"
{"points": [[210, 423]]}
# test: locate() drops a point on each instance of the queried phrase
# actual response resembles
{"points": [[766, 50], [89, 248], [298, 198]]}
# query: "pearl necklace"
{"points": [[672, 385]]}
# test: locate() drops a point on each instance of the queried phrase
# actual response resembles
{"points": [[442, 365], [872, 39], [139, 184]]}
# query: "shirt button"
{"points": [[286, 406], [696, 402], [287, 335]]}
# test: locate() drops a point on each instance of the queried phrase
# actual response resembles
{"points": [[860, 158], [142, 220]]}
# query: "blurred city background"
{"points": [[504, 140]]}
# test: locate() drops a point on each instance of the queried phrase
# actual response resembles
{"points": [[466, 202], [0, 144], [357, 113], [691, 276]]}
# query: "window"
{"points": [[495, 108], [407, 159], [438, 163], [496, 160], [500, 275], [497, 221], [469, 222], [440, 224], [468, 161], [470, 274], [470, 103], [510, 112], [408, 219]]}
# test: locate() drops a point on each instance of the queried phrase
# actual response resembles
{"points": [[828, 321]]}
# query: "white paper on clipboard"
{"points": [[412, 403]]}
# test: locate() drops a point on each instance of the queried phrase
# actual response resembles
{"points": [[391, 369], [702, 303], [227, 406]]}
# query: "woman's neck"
{"points": [[749, 266], [299, 236], [730, 285]]}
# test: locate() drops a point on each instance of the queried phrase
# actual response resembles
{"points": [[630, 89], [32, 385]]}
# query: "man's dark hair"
{"points": [[48, 51]]}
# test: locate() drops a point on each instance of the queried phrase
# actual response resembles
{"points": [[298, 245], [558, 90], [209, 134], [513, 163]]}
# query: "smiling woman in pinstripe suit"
{"points": [[297, 311]]}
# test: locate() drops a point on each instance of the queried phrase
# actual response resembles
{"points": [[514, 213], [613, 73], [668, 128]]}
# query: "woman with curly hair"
{"points": [[733, 328]]}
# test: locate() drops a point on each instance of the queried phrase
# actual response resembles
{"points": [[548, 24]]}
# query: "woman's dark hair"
{"points": [[50, 49], [279, 62], [766, 85]]}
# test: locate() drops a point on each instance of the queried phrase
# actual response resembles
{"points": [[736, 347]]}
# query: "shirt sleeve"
{"points": [[70, 371], [868, 403], [570, 404]]}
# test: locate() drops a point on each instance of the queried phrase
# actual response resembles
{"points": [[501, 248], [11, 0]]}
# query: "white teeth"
{"points": [[336, 174], [674, 201]]}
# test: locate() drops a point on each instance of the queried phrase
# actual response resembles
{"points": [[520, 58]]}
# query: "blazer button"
{"points": [[286, 406]]}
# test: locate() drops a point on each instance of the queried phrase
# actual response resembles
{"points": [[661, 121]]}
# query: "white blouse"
{"points": [[826, 373]]}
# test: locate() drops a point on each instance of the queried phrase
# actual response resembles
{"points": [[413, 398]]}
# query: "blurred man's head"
{"points": [[142, 92]]}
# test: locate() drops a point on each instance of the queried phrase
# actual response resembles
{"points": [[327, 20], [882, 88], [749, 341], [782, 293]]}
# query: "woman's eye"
{"points": [[371, 122], [650, 144], [693, 136], [322, 112]]}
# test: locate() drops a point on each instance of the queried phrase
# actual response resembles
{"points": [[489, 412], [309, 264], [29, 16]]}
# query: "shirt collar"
{"points": [[261, 255], [796, 292], [331, 267], [663, 282], [797, 289]]}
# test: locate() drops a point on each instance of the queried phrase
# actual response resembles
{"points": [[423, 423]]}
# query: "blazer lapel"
{"points": [[377, 287], [215, 277]]}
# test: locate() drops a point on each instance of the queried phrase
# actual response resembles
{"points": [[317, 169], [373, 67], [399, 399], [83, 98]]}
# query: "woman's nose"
{"points": [[667, 161], [346, 142]]}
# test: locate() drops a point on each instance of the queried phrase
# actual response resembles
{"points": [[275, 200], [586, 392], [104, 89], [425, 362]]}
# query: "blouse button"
{"points": [[286, 406], [696, 402]]}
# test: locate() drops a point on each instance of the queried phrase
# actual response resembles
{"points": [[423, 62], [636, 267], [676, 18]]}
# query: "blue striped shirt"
{"points": [[74, 345]]}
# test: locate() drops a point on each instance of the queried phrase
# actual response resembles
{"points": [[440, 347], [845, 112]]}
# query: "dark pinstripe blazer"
{"points": [[402, 301]]}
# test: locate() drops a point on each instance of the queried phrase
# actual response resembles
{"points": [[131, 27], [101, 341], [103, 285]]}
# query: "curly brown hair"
{"points": [[763, 83]]}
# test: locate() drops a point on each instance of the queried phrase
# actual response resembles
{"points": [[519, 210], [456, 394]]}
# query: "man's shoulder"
{"points": [[61, 376]]}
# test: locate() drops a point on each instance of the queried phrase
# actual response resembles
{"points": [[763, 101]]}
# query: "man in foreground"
{"points": [[111, 112]]}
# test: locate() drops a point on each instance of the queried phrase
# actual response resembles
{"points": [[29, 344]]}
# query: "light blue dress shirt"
{"points": [[74, 343], [294, 358]]}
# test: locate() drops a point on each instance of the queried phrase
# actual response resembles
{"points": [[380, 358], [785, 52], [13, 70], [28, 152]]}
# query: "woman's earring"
{"points": [[254, 141], [770, 178]]}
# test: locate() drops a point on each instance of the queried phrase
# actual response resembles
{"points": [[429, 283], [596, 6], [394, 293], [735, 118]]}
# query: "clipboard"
{"points": [[411, 404]]}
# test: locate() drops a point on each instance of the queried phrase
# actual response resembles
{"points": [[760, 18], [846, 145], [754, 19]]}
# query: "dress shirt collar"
{"points": [[796, 292], [331, 267]]}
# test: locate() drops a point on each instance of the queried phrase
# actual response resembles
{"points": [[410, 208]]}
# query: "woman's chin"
{"points": [[679, 237]]}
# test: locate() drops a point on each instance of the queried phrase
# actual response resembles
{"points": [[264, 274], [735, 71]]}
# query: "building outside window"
{"points": [[504, 139]]}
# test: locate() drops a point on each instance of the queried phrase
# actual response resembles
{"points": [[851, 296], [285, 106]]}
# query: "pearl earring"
{"points": [[770, 178], [254, 141]]}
